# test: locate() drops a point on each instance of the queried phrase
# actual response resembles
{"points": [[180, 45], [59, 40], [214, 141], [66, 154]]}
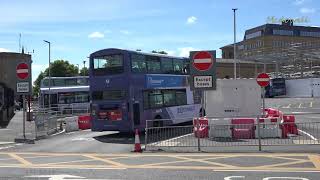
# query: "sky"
{"points": [[78, 28]]}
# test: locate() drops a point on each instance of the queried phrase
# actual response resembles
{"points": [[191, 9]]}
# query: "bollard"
{"points": [[198, 133], [259, 138]]}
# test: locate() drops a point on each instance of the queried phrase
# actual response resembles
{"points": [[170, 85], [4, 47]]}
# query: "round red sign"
{"points": [[22, 71], [263, 79], [202, 61]]}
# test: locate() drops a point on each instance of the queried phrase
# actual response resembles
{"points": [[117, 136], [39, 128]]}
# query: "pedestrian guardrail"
{"points": [[210, 132]]}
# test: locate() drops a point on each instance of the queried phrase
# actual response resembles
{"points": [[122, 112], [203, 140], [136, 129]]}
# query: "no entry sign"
{"points": [[263, 79], [22, 70], [203, 70], [202, 60]]}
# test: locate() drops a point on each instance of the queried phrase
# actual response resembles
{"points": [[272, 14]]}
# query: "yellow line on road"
{"points": [[283, 164], [286, 158], [315, 159], [104, 160], [207, 162], [66, 162], [182, 161], [20, 159]]}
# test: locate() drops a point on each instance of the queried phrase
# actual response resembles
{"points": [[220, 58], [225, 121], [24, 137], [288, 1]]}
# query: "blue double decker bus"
{"points": [[129, 87]]}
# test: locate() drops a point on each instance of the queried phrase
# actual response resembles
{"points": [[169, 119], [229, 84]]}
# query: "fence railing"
{"points": [[297, 129], [49, 120]]}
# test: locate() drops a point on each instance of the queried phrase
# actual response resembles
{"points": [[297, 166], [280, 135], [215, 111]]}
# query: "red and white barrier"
{"points": [[243, 128], [220, 128], [84, 122], [201, 127], [269, 128]]}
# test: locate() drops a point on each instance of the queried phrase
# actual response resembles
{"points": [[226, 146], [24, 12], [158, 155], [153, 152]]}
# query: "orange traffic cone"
{"points": [[137, 145]]}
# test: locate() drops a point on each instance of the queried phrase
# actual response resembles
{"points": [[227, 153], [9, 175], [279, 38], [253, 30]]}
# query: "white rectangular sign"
{"points": [[23, 87], [202, 81]]}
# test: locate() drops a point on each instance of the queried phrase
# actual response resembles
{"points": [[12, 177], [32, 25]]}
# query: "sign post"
{"points": [[263, 80], [203, 77], [23, 88]]}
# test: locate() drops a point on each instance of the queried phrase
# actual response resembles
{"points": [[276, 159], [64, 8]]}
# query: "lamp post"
{"points": [[234, 43], [49, 72]]}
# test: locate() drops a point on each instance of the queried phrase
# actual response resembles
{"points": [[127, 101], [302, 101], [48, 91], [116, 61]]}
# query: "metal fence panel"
{"points": [[226, 132]]}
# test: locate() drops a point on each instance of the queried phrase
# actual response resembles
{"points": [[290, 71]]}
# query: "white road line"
{"points": [[311, 104], [58, 133], [287, 107], [300, 105], [312, 137]]}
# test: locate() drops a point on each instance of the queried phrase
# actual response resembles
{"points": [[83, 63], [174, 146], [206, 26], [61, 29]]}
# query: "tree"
{"points": [[84, 71], [59, 68]]}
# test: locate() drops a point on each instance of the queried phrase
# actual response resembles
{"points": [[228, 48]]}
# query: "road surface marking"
{"points": [[315, 160], [183, 161], [104, 160], [58, 133], [311, 104], [207, 162], [300, 105], [312, 137], [292, 178], [269, 170], [66, 162], [284, 164], [234, 177], [287, 107], [20, 159]]}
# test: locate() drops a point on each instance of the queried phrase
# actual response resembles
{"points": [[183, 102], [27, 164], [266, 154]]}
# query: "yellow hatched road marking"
{"points": [[67, 162], [20, 159], [207, 162], [315, 159], [283, 164], [105, 160]]}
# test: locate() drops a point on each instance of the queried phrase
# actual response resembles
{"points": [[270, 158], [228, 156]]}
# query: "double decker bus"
{"points": [[129, 87], [66, 93]]}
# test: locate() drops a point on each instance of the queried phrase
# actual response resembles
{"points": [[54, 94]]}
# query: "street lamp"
{"points": [[49, 73], [234, 43]]}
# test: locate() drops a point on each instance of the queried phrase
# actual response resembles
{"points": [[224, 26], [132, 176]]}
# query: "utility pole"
{"points": [[234, 44]]}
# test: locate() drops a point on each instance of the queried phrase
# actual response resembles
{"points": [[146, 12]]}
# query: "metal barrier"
{"points": [[49, 121], [233, 132]]}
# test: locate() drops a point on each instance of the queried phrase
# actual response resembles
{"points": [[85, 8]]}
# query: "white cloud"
{"points": [[299, 2], [307, 10], [170, 53], [191, 20], [5, 50], [126, 32], [96, 35], [184, 52]]}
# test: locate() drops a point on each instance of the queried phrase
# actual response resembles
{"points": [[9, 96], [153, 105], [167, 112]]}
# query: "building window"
{"points": [[309, 34], [282, 32], [230, 54], [253, 35]]}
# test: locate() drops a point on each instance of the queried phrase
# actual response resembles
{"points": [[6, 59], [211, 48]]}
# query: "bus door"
{"points": [[136, 113]]}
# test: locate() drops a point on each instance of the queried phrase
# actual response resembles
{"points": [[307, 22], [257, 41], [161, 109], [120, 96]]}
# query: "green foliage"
{"points": [[59, 68], [84, 71]]}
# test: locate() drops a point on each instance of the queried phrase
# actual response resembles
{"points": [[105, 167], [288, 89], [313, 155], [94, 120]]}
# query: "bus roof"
{"points": [[102, 51], [70, 77], [65, 89]]}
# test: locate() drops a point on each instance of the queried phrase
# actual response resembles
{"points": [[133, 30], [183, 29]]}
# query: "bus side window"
{"points": [[178, 66], [138, 63]]}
